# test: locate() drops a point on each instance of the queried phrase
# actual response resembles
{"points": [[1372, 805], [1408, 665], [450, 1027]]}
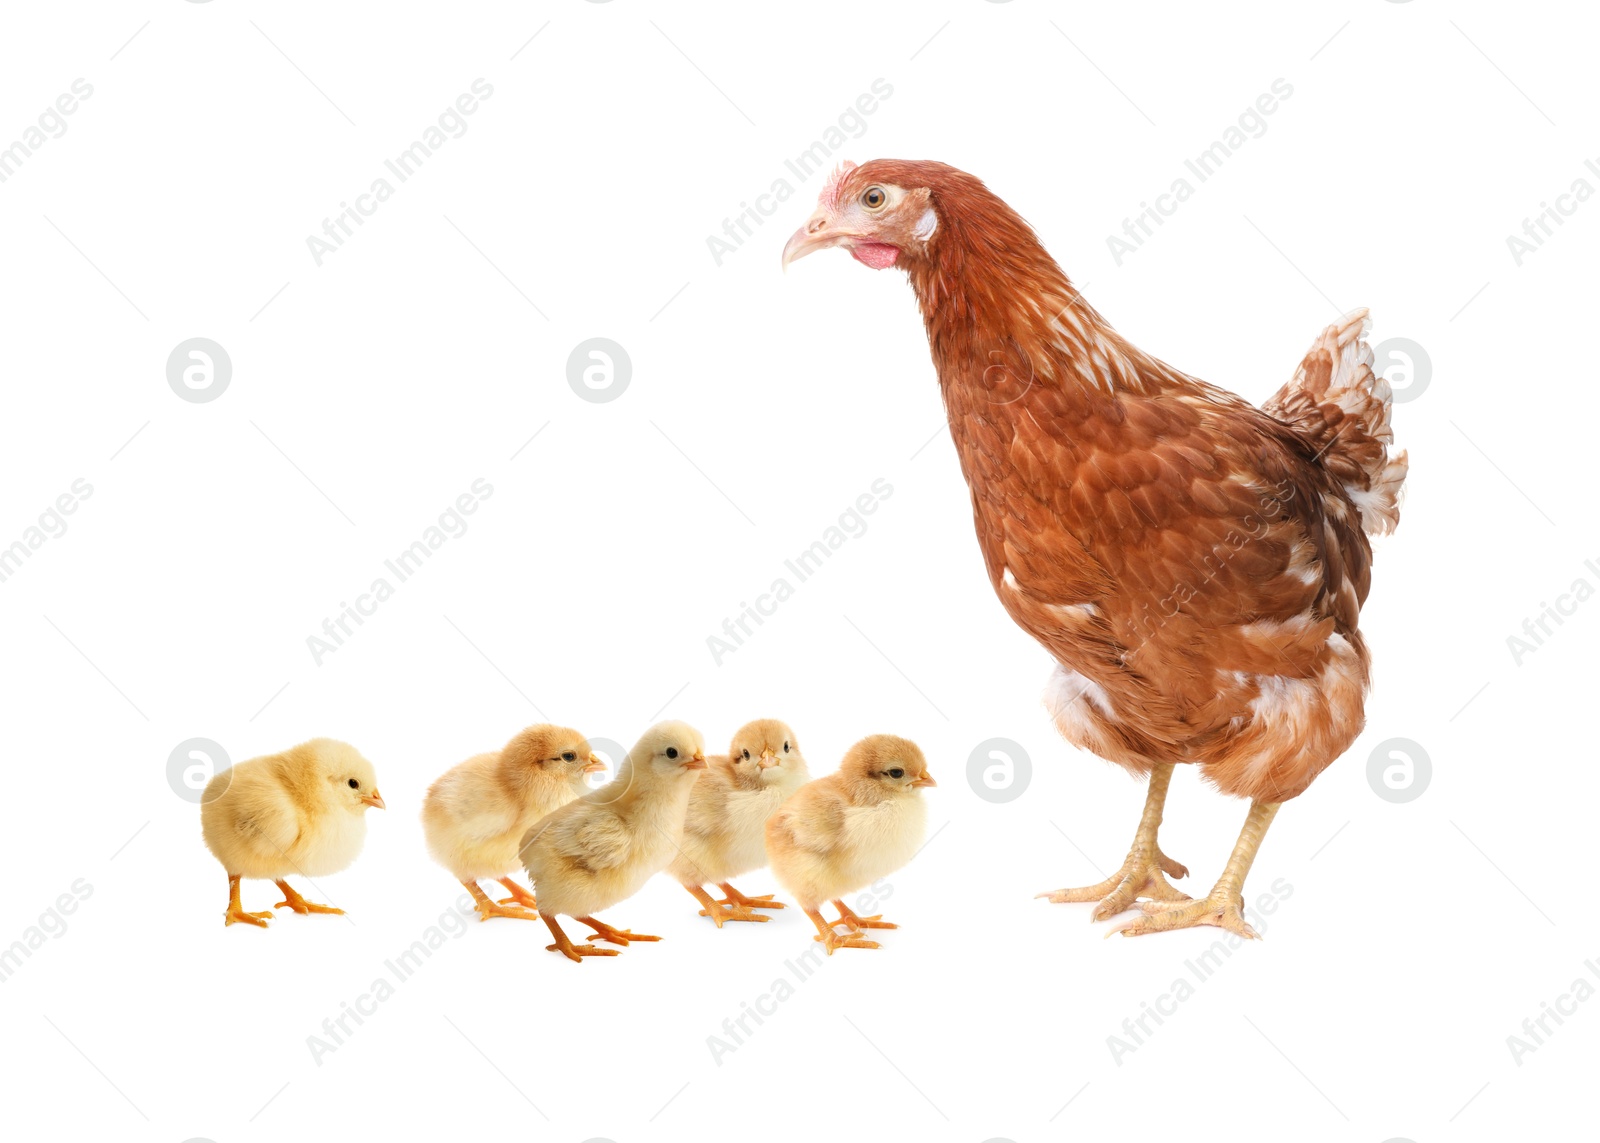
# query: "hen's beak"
{"points": [[698, 762], [595, 765], [374, 799], [767, 760], [925, 780], [816, 234]]}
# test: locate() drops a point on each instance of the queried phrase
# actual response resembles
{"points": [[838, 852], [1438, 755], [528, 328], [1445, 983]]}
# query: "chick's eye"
{"points": [[873, 197], [672, 752], [355, 785], [786, 748], [569, 756], [747, 755], [897, 773]]}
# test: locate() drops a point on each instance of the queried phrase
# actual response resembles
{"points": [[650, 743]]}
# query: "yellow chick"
{"points": [[475, 815], [302, 811], [600, 849], [724, 831], [844, 831]]}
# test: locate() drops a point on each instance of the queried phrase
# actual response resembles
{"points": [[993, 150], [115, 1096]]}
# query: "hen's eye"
{"points": [[747, 755], [897, 773], [355, 785], [672, 752], [569, 756], [873, 198]]}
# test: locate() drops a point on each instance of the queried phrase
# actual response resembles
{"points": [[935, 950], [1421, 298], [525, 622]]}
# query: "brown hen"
{"points": [[1195, 565]]}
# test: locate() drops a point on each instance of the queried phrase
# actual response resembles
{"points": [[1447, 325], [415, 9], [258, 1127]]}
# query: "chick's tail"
{"points": [[1341, 408]]}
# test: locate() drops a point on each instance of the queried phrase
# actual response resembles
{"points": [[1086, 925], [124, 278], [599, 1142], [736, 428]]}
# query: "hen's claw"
{"points": [[1163, 916], [1141, 875]]}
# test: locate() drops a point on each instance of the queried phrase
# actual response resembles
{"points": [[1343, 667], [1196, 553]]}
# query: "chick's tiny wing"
{"points": [[594, 840], [814, 818]]}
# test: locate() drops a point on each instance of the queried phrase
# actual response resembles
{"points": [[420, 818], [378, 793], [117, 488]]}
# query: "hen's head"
{"points": [[888, 212]]}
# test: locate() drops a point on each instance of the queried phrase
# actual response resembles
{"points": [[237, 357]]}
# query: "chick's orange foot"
{"points": [[293, 900], [734, 897], [719, 913], [237, 915], [487, 908], [855, 924], [566, 948], [519, 895], [604, 932], [832, 939]]}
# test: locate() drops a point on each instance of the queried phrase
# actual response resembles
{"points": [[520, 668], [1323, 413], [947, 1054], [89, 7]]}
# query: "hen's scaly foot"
{"points": [[605, 932], [519, 895], [293, 900], [1161, 916], [732, 896], [237, 915], [1141, 875]]}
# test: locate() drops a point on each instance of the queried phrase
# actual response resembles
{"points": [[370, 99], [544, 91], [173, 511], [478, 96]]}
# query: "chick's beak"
{"points": [[925, 780], [767, 760], [697, 762], [595, 764], [374, 799], [817, 234]]}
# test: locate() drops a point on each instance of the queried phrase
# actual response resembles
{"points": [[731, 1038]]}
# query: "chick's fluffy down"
{"points": [[289, 813]]}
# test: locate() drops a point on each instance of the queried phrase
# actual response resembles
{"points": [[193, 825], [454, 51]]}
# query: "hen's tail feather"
{"points": [[1338, 405]]}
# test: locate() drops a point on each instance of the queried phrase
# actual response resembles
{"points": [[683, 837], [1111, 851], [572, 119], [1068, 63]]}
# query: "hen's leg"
{"points": [[720, 911], [519, 895], [236, 911], [487, 908], [566, 948], [732, 896], [1141, 872], [1224, 905], [293, 900]]}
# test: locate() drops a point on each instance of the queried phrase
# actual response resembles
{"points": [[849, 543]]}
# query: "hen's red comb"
{"points": [[829, 197]]}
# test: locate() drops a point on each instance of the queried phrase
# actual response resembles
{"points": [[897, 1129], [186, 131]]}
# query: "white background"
{"points": [[369, 392]]}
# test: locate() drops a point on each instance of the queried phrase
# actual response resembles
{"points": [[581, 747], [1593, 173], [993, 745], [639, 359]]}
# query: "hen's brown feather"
{"points": [[1195, 565]]}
